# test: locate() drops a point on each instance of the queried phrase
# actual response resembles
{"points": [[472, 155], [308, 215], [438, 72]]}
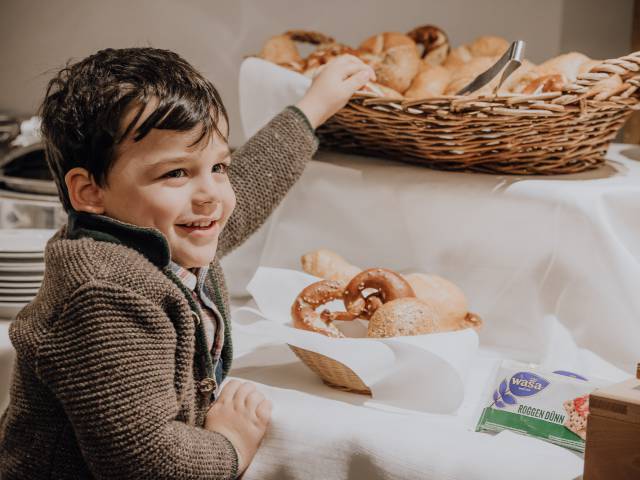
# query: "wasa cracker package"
{"points": [[553, 406]]}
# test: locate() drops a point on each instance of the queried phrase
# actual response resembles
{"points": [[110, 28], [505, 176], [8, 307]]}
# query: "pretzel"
{"points": [[303, 310], [388, 285]]}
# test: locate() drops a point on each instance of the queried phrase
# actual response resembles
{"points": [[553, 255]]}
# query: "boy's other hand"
{"points": [[332, 88], [241, 414]]}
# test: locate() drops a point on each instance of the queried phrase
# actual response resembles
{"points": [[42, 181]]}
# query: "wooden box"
{"points": [[613, 433]]}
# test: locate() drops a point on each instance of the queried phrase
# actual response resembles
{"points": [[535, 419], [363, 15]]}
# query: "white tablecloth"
{"points": [[318, 433], [526, 251]]}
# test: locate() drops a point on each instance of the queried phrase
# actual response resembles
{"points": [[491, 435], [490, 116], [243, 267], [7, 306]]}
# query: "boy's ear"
{"points": [[84, 194]]}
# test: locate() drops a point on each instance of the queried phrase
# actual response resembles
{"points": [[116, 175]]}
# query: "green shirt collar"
{"points": [[150, 242]]}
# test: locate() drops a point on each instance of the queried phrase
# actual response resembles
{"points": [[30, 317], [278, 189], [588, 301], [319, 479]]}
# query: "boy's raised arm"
{"points": [[123, 407], [267, 166], [263, 170]]}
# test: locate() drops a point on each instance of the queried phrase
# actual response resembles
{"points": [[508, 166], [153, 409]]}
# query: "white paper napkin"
{"points": [[265, 89]]}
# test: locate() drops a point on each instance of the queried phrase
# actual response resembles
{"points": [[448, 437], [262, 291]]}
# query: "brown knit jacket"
{"points": [[110, 357]]}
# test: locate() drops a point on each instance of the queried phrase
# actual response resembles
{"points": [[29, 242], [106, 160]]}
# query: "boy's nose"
{"points": [[206, 192], [205, 199], [209, 208]]}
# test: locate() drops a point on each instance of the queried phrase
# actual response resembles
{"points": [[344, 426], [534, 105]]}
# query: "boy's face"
{"points": [[162, 182]]}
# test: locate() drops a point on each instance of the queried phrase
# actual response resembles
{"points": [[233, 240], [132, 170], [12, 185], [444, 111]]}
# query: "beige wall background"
{"points": [[38, 37]]}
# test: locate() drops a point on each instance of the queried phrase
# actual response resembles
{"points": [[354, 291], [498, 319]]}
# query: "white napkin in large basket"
{"points": [[265, 89]]}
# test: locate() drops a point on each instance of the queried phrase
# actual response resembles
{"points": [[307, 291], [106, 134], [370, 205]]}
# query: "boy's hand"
{"points": [[333, 87], [241, 414]]}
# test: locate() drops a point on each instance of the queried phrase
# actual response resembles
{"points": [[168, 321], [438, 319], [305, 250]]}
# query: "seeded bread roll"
{"points": [[403, 317]]}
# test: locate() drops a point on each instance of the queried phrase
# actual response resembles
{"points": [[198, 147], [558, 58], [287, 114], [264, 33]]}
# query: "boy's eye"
{"points": [[220, 168], [177, 173]]}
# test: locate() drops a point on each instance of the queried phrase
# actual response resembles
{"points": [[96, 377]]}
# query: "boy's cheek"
{"points": [[232, 204], [226, 220]]}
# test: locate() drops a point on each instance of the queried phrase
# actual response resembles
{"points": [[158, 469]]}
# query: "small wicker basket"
{"points": [[336, 374], [332, 372], [551, 133]]}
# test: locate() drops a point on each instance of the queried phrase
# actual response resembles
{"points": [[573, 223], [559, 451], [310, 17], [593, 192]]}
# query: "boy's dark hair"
{"points": [[85, 102]]}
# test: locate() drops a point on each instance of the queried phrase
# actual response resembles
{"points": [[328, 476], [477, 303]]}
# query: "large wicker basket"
{"points": [[551, 133]]}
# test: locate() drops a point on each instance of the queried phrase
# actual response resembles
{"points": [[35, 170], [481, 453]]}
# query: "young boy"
{"points": [[120, 355]]}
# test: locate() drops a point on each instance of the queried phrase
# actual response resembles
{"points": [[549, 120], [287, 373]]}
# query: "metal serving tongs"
{"points": [[511, 60]]}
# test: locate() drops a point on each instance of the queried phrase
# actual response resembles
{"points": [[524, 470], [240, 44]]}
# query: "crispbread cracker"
{"points": [[577, 413]]}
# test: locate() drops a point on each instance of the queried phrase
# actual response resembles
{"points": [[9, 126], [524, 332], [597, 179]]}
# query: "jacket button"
{"points": [[207, 385]]}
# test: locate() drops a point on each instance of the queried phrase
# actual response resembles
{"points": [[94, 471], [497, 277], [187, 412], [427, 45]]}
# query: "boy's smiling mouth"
{"points": [[202, 226]]}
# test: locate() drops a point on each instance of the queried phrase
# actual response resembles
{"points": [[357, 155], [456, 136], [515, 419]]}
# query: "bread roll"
{"points": [[520, 78], [545, 83], [464, 75], [434, 42], [325, 53], [394, 58], [402, 317], [328, 265], [488, 46], [446, 298], [431, 81], [282, 50], [382, 91], [553, 74], [415, 316], [567, 65], [485, 46], [457, 58], [378, 44]]}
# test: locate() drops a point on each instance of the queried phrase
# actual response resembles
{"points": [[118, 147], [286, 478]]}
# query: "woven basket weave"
{"points": [[550, 133], [332, 372], [336, 374]]}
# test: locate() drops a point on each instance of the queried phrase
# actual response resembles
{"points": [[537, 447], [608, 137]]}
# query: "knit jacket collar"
{"points": [[148, 241], [151, 243]]}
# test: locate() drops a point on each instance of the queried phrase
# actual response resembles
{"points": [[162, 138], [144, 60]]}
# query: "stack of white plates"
{"points": [[21, 267]]}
